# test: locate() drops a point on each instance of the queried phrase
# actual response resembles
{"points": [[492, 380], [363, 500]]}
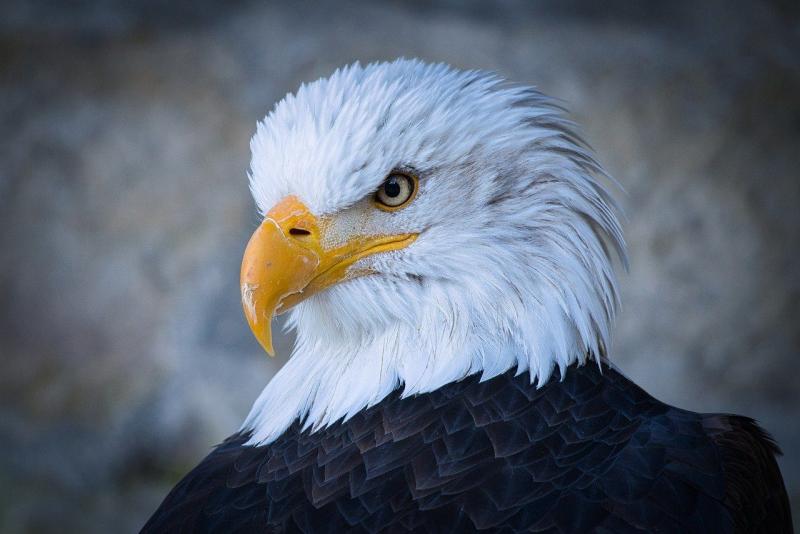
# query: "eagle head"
{"points": [[422, 224]]}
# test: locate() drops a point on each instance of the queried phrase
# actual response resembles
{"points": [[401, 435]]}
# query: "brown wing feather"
{"points": [[754, 490]]}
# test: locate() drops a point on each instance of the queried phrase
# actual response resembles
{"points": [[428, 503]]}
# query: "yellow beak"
{"points": [[285, 263]]}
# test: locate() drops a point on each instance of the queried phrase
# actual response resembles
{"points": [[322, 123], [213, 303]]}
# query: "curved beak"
{"points": [[285, 262]]}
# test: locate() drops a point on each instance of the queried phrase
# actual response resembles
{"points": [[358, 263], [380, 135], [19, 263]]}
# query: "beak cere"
{"points": [[284, 263]]}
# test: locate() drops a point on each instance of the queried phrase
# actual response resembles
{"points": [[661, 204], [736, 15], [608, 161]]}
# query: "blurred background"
{"points": [[124, 211]]}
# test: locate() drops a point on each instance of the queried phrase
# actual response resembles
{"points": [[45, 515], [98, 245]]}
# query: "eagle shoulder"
{"points": [[754, 488], [218, 495]]}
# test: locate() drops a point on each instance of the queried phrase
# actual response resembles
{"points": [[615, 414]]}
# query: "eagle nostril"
{"points": [[299, 232]]}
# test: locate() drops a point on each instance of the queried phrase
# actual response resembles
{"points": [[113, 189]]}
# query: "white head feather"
{"points": [[510, 269]]}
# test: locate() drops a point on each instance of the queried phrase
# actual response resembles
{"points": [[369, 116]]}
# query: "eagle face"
{"points": [[416, 216]]}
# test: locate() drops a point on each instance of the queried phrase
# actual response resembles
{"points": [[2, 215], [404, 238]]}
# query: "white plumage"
{"points": [[510, 268]]}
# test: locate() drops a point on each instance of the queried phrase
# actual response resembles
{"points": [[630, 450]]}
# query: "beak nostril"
{"points": [[299, 232]]}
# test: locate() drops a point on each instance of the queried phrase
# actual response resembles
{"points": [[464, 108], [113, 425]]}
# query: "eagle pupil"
{"points": [[391, 188]]}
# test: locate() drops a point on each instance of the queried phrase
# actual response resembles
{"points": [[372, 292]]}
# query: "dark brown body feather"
{"points": [[753, 482], [591, 453]]}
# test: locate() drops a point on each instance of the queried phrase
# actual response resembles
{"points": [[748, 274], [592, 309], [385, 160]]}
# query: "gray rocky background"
{"points": [[124, 211]]}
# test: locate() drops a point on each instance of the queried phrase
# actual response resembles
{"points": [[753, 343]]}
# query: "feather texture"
{"points": [[590, 453]]}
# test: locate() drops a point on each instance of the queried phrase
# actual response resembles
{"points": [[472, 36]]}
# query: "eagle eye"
{"points": [[397, 191]]}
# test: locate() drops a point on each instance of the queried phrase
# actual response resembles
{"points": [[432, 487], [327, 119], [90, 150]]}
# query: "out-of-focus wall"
{"points": [[124, 211]]}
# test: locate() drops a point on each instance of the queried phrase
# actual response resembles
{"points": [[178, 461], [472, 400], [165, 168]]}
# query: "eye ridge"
{"points": [[396, 191]]}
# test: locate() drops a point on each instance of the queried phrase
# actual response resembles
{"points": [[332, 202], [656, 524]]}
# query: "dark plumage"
{"points": [[592, 452]]}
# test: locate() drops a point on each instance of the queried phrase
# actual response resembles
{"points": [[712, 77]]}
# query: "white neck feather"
{"points": [[488, 325]]}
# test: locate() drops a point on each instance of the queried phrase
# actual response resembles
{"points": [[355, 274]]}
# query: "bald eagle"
{"points": [[444, 245]]}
